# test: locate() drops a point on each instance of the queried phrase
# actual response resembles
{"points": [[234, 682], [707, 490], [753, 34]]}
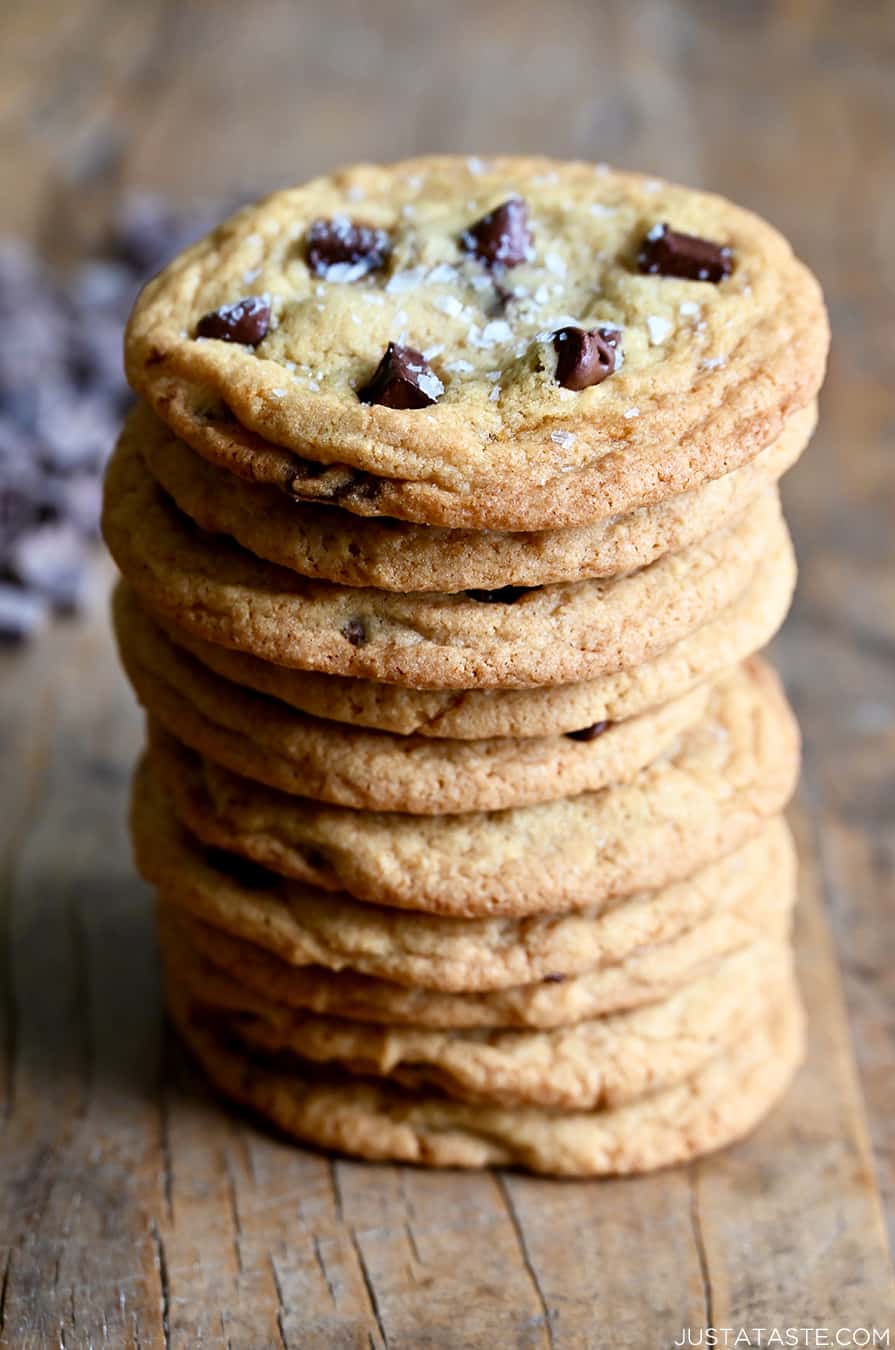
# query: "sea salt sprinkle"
{"points": [[566, 439], [345, 272], [631, 412], [689, 309], [498, 330], [430, 384], [448, 304], [407, 280], [443, 273], [659, 329]]}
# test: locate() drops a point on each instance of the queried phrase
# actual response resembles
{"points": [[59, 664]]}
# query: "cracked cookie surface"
{"points": [[375, 770], [738, 631], [546, 635], [718, 1104], [329, 544], [302, 929], [596, 1063], [704, 797]]}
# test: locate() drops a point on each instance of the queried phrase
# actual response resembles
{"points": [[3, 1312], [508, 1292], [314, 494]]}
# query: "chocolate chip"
{"points": [[502, 237], [22, 614], [504, 595], [588, 733], [340, 242], [56, 432], [312, 481], [355, 630], [402, 380], [553, 979], [51, 560], [246, 322], [583, 358], [668, 253]]}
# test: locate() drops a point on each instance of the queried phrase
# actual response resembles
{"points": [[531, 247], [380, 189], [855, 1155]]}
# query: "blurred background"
{"points": [[126, 128]]}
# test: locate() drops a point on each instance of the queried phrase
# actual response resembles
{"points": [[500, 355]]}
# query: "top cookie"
{"points": [[514, 344]]}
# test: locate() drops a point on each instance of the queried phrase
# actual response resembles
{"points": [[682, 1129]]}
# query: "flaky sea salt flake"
{"points": [[659, 328], [448, 304], [407, 280], [442, 274], [345, 272], [498, 330], [430, 384]]}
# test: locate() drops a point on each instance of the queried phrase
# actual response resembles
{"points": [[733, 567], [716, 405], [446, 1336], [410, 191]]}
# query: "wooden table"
{"points": [[135, 1210]]}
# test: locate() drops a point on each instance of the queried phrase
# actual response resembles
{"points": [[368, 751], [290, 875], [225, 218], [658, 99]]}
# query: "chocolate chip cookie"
{"points": [[508, 344]]}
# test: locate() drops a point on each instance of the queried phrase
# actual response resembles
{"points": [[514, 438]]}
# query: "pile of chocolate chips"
{"points": [[62, 396]]}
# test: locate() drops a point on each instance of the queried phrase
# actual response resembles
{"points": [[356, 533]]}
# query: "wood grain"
{"points": [[134, 1210]]}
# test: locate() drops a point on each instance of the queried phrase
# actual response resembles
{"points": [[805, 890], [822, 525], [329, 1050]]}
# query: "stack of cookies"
{"points": [[449, 528]]}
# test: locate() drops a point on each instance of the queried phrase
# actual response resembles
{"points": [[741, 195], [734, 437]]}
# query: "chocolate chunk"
{"points": [[21, 613], [588, 733], [402, 380], [668, 253], [502, 237], [583, 358], [245, 322], [143, 234], [81, 503], [553, 979], [52, 561], [355, 630], [504, 595], [339, 242], [56, 431], [317, 482], [75, 429]]}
